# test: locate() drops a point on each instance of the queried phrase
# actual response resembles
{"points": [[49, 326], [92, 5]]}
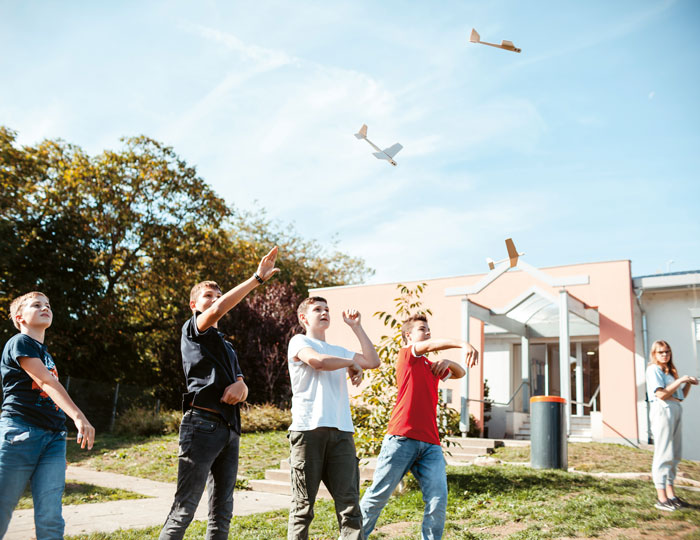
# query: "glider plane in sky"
{"points": [[387, 154], [512, 256], [505, 44]]}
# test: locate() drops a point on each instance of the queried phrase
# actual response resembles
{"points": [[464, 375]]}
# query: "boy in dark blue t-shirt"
{"points": [[32, 423], [211, 426]]}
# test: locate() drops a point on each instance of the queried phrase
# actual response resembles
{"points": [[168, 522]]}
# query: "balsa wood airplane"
{"points": [[512, 256], [505, 44], [387, 154]]}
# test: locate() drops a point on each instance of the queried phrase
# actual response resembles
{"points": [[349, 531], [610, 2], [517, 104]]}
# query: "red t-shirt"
{"points": [[414, 415]]}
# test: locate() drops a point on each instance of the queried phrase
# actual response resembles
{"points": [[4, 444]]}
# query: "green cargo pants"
{"points": [[328, 455]]}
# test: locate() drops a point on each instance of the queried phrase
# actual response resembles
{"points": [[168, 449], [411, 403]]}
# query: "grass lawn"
{"points": [[79, 493], [155, 458], [601, 457], [494, 502]]}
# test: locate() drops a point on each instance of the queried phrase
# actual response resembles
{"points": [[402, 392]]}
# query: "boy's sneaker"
{"points": [[679, 503], [666, 506]]}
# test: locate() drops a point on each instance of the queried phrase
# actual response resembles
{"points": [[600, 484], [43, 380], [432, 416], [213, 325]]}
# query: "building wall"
{"points": [[498, 373], [610, 290], [670, 317]]}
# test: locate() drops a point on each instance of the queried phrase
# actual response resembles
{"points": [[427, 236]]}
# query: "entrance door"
{"points": [[539, 370]]}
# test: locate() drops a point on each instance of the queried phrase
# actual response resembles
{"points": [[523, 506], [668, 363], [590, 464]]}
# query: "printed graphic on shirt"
{"points": [[43, 399]]}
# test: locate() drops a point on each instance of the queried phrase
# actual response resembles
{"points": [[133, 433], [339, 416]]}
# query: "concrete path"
{"points": [[136, 513]]}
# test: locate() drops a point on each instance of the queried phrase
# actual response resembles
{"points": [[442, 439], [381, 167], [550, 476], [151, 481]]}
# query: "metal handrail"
{"points": [[524, 383], [591, 403]]}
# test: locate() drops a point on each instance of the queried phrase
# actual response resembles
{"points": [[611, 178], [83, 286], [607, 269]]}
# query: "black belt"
{"points": [[214, 417]]}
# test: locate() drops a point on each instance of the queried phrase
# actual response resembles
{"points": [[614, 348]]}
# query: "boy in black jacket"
{"points": [[211, 427]]}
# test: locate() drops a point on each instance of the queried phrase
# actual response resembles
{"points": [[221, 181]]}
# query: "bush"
{"points": [[144, 422], [140, 421], [264, 417], [171, 420]]}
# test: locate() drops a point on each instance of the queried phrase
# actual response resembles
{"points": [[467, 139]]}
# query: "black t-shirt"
{"points": [[210, 365], [22, 397]]}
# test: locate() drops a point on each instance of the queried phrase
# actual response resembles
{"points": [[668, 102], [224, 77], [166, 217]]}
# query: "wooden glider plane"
{"points": [[512, 256], [505, 44], [387, 154]]}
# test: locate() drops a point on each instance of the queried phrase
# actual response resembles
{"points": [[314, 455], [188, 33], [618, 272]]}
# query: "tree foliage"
{"points": [[260, 329], [372, 412], [117, 241]]}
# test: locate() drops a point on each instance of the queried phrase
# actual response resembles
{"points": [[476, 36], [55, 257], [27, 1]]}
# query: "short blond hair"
{"points": [[18, 303], [203, 285], [409, 323]]}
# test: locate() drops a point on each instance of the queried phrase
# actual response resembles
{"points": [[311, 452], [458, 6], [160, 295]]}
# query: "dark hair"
{"points": [[409, 323]]}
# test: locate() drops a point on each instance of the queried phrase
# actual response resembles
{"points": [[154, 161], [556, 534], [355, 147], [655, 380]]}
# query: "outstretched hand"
{"points": [[471, 355], [352, 318], [266, 268]]}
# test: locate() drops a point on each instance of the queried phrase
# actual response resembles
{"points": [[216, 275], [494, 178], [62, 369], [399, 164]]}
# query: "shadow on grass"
{"points": [[103, 443]]}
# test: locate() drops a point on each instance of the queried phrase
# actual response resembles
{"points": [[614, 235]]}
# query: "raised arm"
{"points": [[210, 316], [36, 369], [369, 359], [471, 355]]}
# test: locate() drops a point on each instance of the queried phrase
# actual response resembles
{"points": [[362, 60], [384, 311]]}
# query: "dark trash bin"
{"points": [[548, 444]]}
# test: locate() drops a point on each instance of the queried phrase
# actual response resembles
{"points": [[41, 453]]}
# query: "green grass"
{"points": [[79, 493], [155, 458], [493, 502], [601, 457]]}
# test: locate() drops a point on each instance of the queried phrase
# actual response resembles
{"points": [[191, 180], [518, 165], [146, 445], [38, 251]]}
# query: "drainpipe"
{"points": [[645, 342]]}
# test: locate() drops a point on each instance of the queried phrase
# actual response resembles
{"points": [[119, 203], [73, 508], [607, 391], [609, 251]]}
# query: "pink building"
{"points": [[577, 331]]}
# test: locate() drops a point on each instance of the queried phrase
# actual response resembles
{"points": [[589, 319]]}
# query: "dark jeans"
{"points": [[328, 455], [208, 455]]}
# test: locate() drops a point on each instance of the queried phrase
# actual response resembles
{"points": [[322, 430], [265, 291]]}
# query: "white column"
{"points": [[579, 379], [525, 371], [464, 416], [564, 346]]}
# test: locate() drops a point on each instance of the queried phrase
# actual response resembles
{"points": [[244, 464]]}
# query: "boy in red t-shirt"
{"points": [[412, 442]]}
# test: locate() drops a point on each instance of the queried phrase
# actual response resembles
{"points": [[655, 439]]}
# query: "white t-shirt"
{"points": [[319, 398]]}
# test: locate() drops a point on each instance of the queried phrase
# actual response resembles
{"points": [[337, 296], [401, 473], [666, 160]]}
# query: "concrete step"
{"points": [[475, 442], [465, 456]]}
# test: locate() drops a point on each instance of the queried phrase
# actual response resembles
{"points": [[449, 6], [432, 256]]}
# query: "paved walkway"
{"points": [[135, 513]]}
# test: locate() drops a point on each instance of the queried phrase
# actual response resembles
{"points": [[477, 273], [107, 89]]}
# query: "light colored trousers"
{"points": [[665, 416]]}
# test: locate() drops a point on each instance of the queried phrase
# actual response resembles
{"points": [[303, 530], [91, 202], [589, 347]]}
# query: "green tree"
{"points": [[372, 411], [118, 240]]}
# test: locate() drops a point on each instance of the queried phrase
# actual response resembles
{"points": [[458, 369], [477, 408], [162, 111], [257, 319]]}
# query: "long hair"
{"points": [[668, 367]]}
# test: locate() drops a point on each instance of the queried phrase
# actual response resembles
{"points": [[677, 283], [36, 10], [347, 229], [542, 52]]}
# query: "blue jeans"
{"points": [[208, 456], [398, 456], [32, 454]]}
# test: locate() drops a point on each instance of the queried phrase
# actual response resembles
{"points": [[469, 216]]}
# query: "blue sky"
{"points": [[585, 147]]}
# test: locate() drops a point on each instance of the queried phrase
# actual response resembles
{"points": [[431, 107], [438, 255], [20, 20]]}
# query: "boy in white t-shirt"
{"points": [[320, 437]]}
